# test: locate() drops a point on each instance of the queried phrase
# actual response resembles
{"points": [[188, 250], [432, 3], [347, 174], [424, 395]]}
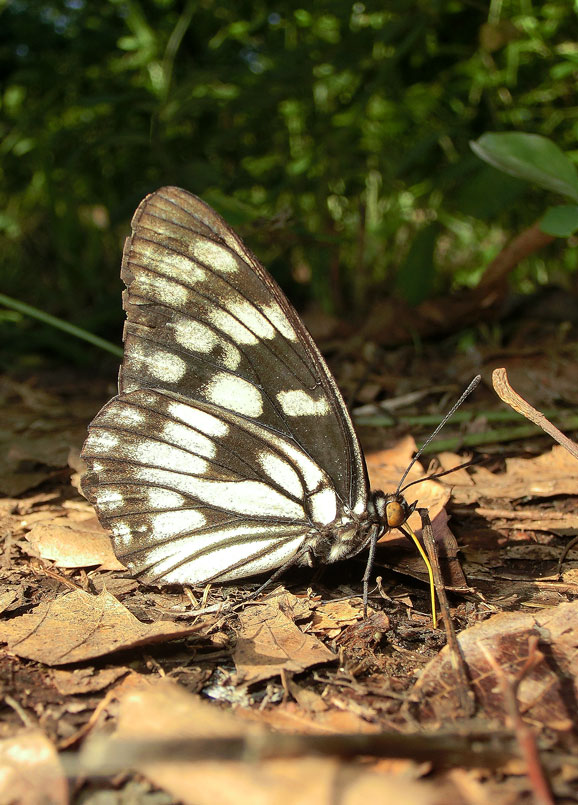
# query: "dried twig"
{"points": [[457, 661], [565, 553], [526, 738], [102, 755], [527, 242], [504, 390], [27, 720]]}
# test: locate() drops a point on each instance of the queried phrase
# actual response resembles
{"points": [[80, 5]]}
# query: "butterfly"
{"points": [[228, 450]]}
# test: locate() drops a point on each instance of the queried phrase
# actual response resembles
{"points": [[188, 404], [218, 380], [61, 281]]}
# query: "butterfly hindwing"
{"points": [[195, 493]]}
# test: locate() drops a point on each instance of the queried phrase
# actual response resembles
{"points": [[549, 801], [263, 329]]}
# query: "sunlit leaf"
{"points": [[529, 156]]}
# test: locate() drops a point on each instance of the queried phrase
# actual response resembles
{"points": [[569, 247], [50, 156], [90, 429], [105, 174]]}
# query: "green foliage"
{"points": [[531, 157], [415, 279], [560, 221], [536, 159], [334, 136]]}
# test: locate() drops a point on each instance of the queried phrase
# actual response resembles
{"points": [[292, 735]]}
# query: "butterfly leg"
{"points": [[294, 560], [368, 569]]}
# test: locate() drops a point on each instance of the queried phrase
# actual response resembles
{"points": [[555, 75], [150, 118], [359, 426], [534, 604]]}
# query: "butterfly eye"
{"points": [[396, 514]]}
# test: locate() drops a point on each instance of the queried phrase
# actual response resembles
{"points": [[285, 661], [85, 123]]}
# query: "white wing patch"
{"points": [[161, 364], [166, 524], [252, 498], [189, 439], [102, 442], [109, 499], [281, 472], [122, 531], [143, 451], [170, 270], [298, 402], [211, 253], [129, 416], [234, 393], [276, 316], [177, 567], [312, 474], [197, 337], [157, 454], [165, 499], [231, 327], [323, 506], [200, 420], [252, 318], [157, 287]]}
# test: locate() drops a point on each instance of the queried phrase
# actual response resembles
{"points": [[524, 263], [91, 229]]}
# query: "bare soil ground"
{"points": [[296, 697]]}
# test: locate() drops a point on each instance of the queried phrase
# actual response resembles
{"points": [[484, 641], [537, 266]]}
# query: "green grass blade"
{"points": [[60, 324]]}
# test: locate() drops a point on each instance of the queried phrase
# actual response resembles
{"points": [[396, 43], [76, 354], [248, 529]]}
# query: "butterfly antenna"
{"points": [[474, 384], [435, 475]]}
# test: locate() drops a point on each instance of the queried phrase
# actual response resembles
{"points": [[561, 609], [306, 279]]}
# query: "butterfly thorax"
{"points": [[352, 533]]}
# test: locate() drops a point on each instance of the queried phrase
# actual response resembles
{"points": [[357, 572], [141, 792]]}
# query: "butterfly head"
{"points": [[390, 511]]}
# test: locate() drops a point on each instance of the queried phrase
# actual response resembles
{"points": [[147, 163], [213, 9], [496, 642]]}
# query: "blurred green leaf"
{"points": [[531, 157], [489, 193], [560, 221], [332, 134], [416, 274]]}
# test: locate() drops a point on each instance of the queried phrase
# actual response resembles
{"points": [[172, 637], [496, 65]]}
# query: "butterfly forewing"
{"points": [[206, 321]]}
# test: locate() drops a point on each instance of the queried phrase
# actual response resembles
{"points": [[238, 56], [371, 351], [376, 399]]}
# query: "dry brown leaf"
{"points": [[25, 506], [305, 697], [74, 544], [361, 636], [165, 711], [546, 695], [270, 642], [296, 607], [553, 473], [564, 523], [20, 457], [447, 461], [7, 598], [79, 626], [331, 617], [294, 717], [30, 772], [86, 680], [32, 518]]}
